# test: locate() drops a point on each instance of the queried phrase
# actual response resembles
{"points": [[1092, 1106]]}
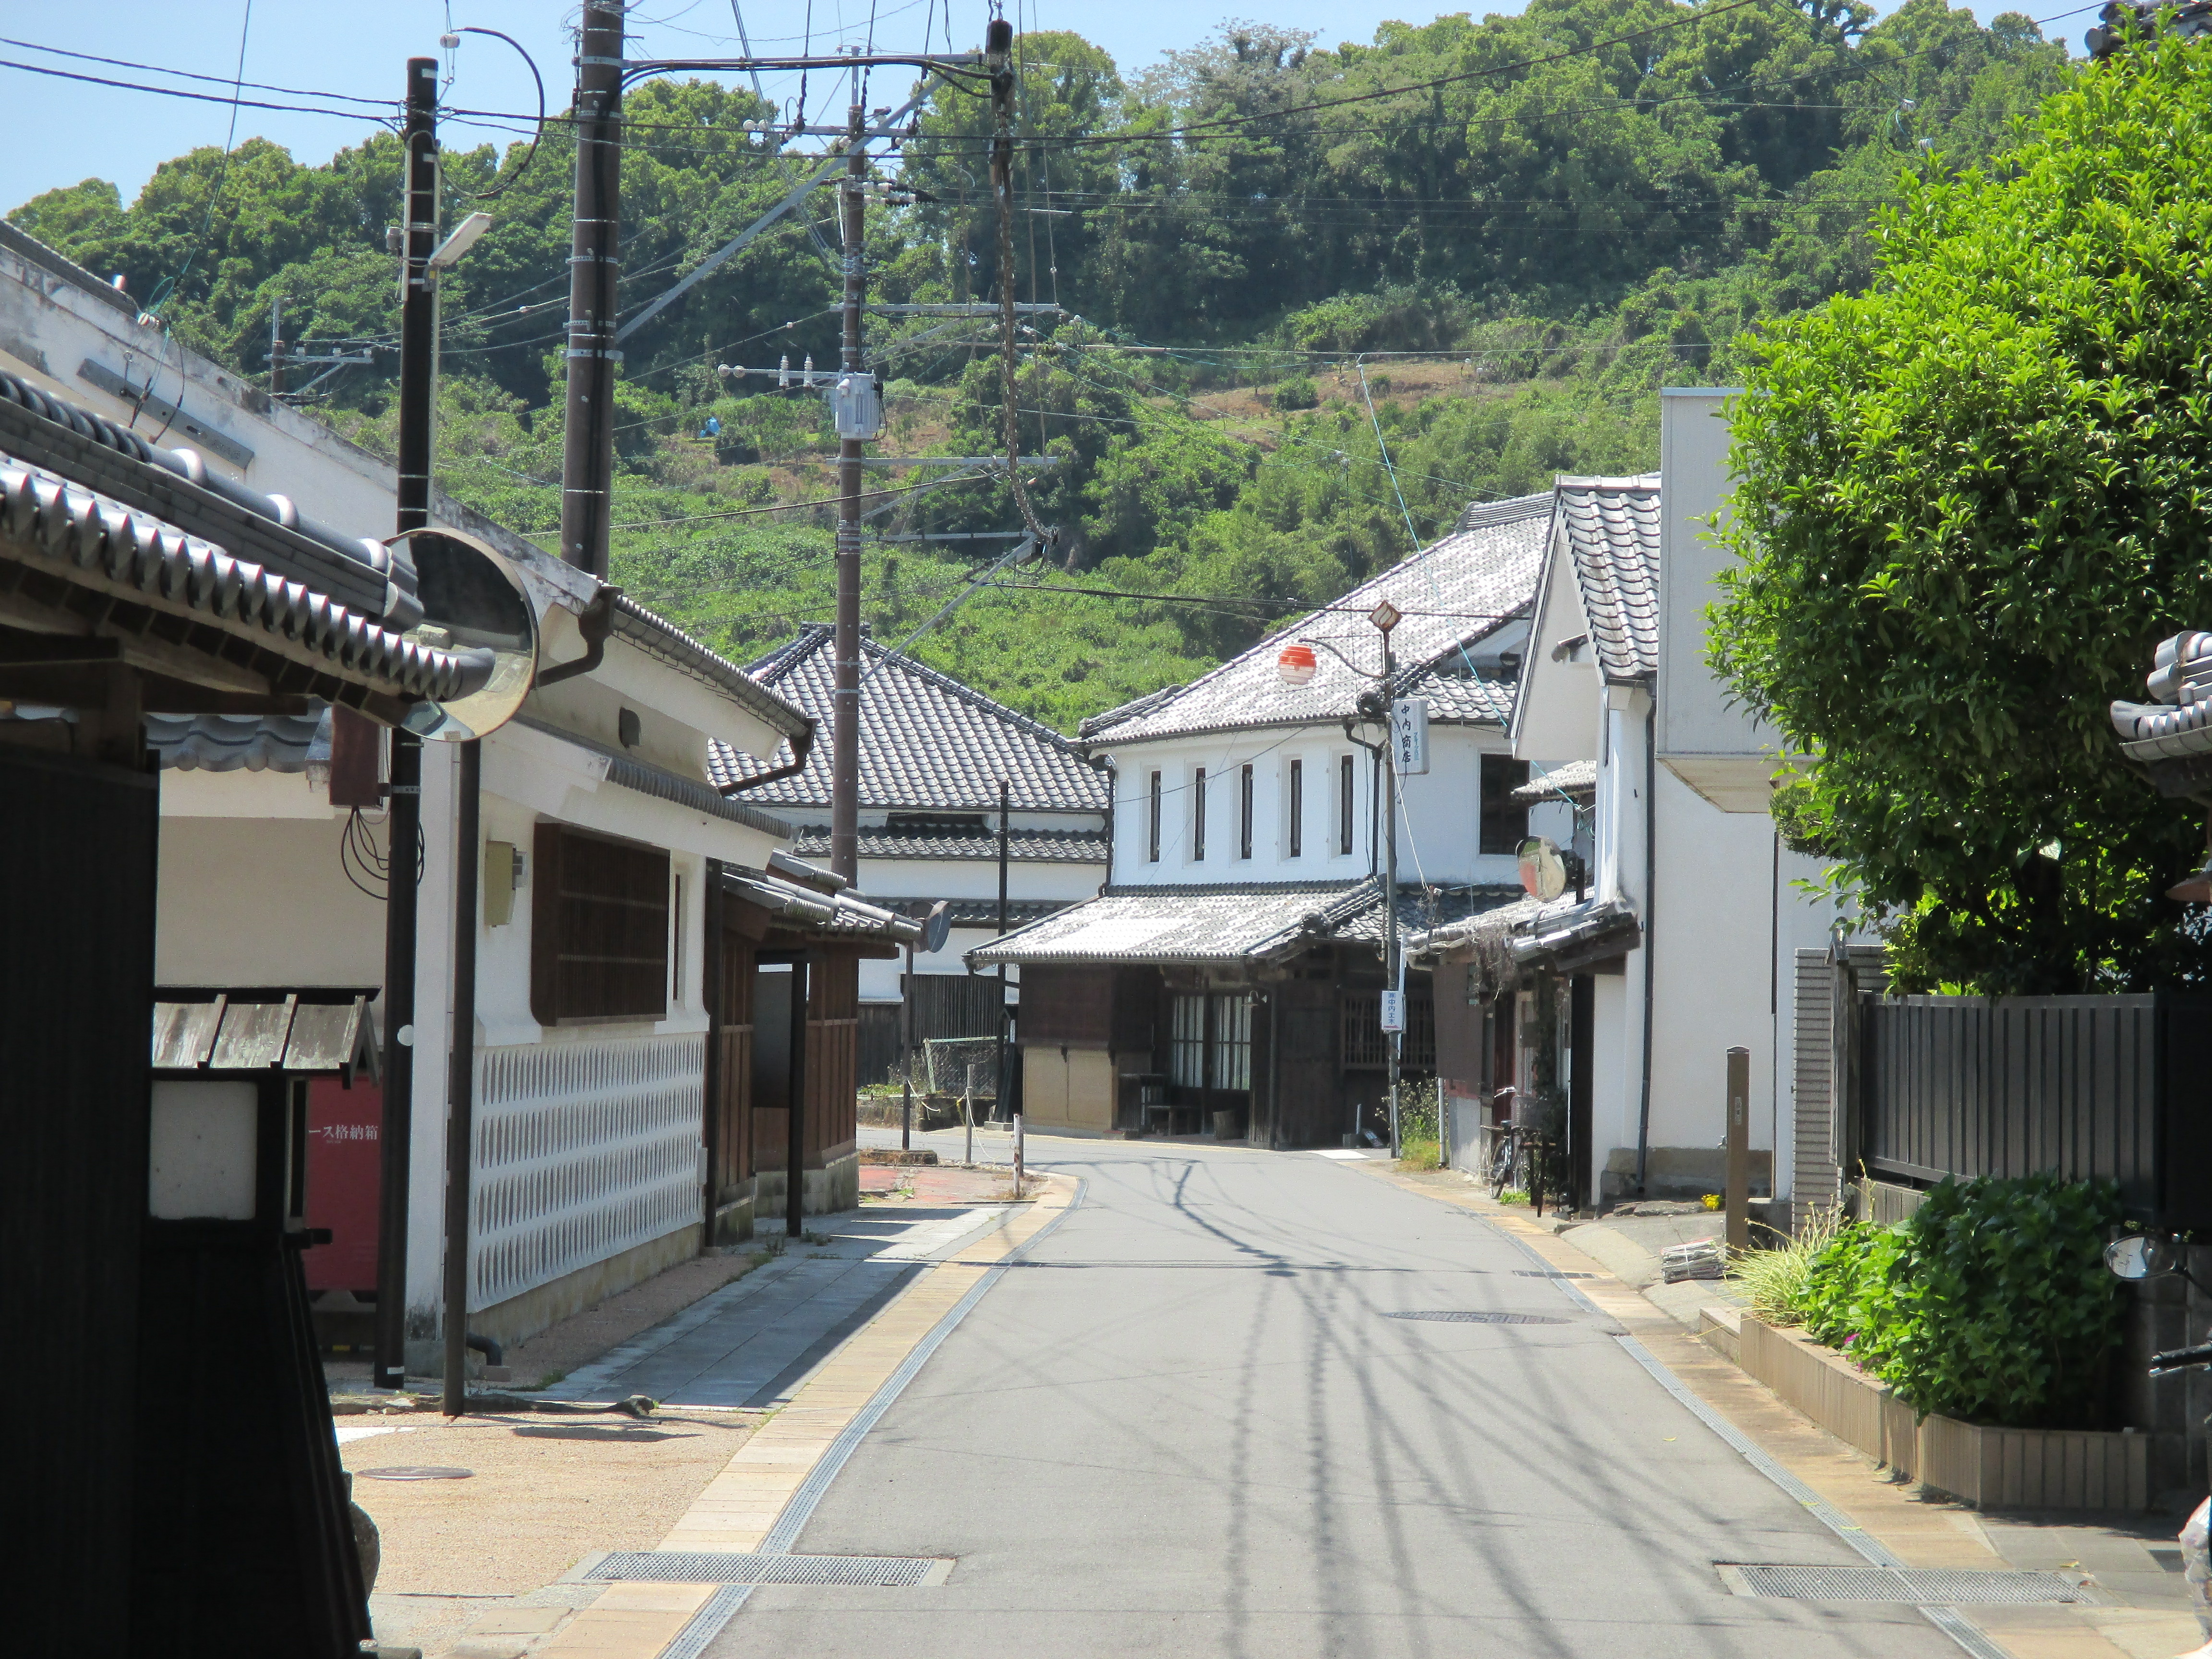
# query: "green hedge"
{"points": [[1992, 1303]]}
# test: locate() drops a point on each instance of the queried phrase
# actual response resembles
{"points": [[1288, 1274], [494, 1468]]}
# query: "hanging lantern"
{"points": [[1297, 664]]}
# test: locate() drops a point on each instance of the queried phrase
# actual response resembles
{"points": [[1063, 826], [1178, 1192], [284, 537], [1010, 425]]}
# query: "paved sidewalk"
{"points": [[2146, 1613], [750, 1343]]}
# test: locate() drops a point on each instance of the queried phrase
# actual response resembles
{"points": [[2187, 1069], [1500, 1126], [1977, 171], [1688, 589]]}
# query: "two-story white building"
{"points": [[1612, 1009], [1231, 974]]}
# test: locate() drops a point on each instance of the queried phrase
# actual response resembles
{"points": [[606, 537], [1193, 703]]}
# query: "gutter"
{"points": [[802, 750], [594, 622]]}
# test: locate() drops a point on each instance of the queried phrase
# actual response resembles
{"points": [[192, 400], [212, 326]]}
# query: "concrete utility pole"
{"points": [[1000, 1107], [853, 400], [277, 347], [595, 264], [417, 332], [1393, 973]]}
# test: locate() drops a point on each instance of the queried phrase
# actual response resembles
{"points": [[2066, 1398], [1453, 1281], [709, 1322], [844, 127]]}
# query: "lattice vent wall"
{"points": [[583, 1151]]}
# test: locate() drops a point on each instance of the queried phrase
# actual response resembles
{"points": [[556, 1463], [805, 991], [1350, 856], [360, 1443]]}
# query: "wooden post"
{"points": [[906, 1056], [1738, 1197], [794, 1198], [1017, 1154]]}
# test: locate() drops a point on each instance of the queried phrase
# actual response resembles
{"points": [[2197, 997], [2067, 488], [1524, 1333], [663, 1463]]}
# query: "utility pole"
{"points": [[277, 347], [853, 401], [418, 329], [1005, 1094], [595, 264], [1394, 971]]}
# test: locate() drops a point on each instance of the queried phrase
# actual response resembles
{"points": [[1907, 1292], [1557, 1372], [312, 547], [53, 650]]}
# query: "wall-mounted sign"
{"points": [[1409, 735]]}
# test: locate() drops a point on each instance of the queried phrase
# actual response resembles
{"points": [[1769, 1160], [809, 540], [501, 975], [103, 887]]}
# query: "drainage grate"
{"points": [[1547, 1272], [1916, 1586], [1460, 1317], [689, 1567]]}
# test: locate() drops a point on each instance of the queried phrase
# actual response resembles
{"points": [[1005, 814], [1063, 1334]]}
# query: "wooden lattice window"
{"points": [[598, 929]]}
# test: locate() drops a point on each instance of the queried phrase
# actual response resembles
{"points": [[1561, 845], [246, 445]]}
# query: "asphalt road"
{"points": [[1188, 1426]]}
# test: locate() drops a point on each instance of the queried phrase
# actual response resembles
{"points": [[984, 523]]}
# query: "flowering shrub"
{"points": [[1992, 1303]]}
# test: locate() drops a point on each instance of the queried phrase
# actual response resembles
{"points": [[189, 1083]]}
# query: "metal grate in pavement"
{"points": [[1914, 1586], [1462, 1317], [692, 1567]]}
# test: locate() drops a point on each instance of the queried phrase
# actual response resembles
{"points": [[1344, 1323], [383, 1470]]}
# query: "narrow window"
{"points": [[1244, 811], [676, 942], [1153, 838], [1233, 1040], [1295, 836], [1504, 825], [1344, 805], [1198, 816], [1187, 1048]]}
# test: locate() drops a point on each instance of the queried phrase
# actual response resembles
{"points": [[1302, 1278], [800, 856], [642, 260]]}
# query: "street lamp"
{"points": [[1295, 666]]}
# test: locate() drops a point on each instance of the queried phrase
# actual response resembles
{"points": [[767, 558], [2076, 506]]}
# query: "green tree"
{"points": [[1972, 499]]}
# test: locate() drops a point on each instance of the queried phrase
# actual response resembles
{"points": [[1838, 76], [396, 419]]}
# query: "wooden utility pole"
{"points": [[855, 399], [417, 342], [594, 265]]}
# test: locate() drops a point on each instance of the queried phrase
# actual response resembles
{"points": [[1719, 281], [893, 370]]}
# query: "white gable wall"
{"points": [[1438, 826]]}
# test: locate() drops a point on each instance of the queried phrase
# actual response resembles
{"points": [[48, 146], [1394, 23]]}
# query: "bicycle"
{"points": [[1506, 1159]]}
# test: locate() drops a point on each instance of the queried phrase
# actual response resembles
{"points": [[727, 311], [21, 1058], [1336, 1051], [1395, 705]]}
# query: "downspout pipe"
{"points": [[1651, 906], [593, 622], [802, 749]]}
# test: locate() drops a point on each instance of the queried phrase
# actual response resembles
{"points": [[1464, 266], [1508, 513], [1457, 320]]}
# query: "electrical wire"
{"points": [[536, 138]]}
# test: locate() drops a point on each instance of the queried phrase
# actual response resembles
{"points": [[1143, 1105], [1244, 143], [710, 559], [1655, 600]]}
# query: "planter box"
{"points": [[1988, 1467]]}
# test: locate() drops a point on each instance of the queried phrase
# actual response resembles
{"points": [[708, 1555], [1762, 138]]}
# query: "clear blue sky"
{"points": [[68, 130]]}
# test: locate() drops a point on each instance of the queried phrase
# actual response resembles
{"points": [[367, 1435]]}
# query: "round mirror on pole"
{"points": [[2138, 1257], [936, 928], [474, 604], [1543, 869]]}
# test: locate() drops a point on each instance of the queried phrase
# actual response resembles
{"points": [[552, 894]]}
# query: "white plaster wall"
{"points": [[1439, 823], [262, 901], [1712, 937]]}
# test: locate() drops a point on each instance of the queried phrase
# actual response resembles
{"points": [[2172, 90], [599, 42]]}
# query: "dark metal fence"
{"points": [[944, 1006], [2084, 1087]]}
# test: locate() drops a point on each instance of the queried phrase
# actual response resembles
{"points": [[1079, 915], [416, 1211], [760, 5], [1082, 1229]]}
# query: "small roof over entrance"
{"points": [[318, 1031]]}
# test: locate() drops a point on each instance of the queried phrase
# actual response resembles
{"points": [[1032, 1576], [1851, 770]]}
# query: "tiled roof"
{"points": [[1167, 925], [1424, 908], [926, 841], [1454, 590], [802, 908], [1612, 529], [980, 912], [156, 579], [226, 743], [927, 741], [1577, 779]]}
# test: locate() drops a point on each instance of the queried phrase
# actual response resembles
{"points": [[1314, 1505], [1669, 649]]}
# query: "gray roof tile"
{"points": [[1577, 779], [1454, 590], [1230, 922], [1612, 529], [927, 741], [944, 842]]}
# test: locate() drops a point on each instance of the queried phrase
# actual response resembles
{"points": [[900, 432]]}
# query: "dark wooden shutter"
{"points": [[598, 929]]}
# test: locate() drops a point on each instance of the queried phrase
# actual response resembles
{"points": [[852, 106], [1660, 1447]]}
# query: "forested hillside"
{"points": [[1525, 224]]}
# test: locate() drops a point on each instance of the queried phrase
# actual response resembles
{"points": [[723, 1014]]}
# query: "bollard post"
{"points": [[1017, 1154], [1738, 1195]]}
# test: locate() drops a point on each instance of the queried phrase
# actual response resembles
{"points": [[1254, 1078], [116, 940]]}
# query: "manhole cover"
{"points": [[695, 1567], [1547, 1272], [1461, 1317], [1919, 1586], [415, 1472]]}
